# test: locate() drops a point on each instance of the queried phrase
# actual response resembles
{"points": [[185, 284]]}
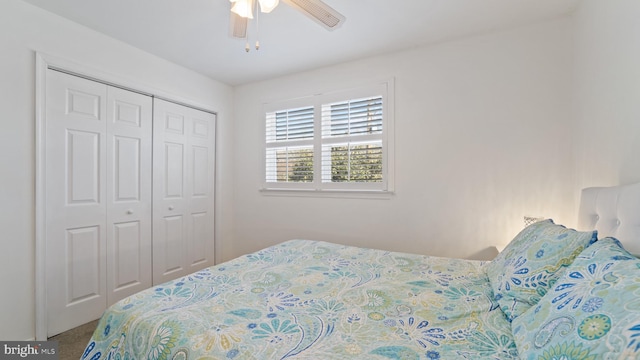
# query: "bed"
{"points": [[552, 292]]}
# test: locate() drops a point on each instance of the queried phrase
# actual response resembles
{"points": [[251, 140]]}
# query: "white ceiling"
{"points": [[194, 33]]}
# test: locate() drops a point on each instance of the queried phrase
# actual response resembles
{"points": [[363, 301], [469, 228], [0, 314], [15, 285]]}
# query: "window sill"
{"points": [[330, 193]]}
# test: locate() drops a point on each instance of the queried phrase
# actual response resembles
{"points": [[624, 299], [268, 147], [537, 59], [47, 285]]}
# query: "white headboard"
{"points": [[613, 211]]}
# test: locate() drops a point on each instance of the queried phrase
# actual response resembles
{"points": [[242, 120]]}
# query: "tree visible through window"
{"points": [[359, 163], [295, 165]]}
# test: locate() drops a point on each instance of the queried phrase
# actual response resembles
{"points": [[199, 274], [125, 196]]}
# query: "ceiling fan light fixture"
{"points": [[266, 6], [244, 8], [242, 14]]}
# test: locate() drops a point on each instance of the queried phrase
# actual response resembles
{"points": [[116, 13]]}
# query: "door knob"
{"points": [[129, 211], [171, 207]]}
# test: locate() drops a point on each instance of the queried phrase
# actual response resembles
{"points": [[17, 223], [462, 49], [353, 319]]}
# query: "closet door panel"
{"points": [[172, 246], [173, 168], [75, 210], [127, 169], [198, 241], [128, 267], [183, 190], [200, 190], [200, 175], [83, 270], [169, 202], [129, 149], [83, 167]]}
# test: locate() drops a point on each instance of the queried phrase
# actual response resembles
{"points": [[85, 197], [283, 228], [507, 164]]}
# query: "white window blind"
{"points": [[289, 155], [335, 141], [352, 149], [352, 118], [293, 124]]}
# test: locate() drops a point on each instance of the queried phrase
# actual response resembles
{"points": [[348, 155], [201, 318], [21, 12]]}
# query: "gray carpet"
{"points": [[71, 343]]}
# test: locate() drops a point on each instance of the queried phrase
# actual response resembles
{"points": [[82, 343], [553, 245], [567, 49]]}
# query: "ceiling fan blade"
{"points": [[320, 12], [237, 26]]}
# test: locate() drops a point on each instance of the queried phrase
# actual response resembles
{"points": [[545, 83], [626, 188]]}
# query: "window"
{"points": [[333, 141], [290, 146]]}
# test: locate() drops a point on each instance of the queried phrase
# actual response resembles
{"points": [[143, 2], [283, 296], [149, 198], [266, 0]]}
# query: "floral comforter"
{"points": [[312, 300]]}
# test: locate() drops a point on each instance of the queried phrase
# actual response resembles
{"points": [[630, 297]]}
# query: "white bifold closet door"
{"points": [[183, 193], [98, 197]]}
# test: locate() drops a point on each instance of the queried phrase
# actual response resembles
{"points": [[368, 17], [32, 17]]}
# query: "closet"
{"points": [[128, 195]]}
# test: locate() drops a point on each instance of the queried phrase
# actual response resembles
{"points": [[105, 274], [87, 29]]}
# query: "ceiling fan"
{"points": [[317, 10]]}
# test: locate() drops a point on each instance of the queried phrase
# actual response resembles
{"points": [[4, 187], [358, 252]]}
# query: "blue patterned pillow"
{"points": [[593, 310], [525, 270]]}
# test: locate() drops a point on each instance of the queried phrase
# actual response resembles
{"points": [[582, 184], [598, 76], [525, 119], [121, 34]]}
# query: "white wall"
{"points": [[607, 92], [483, 137], [25, 29]]}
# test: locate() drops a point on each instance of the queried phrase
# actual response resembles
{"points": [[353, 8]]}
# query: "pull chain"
{"points": [[257, 26], [247, 46]]}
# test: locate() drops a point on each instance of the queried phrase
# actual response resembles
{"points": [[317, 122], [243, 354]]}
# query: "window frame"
{"points": [[384, 89]]}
